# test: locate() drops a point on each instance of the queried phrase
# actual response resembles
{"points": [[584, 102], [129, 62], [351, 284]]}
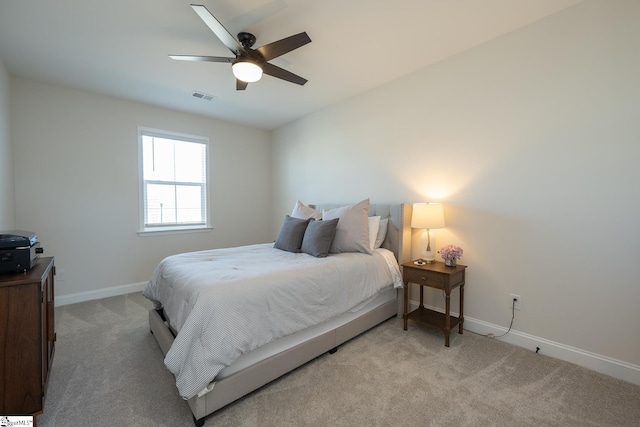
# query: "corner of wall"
{"points": [[7, 189]]}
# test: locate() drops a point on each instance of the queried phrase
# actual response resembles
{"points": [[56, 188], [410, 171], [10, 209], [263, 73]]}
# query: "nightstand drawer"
{"points": [[423, 278]]}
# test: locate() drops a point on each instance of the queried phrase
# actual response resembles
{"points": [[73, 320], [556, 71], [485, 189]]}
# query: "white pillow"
{"points": [[302, 211], [352, 232], [382, 232], [374, 226]]}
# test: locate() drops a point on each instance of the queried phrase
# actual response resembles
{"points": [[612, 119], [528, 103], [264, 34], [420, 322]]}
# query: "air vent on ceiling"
{"points": [[203, 96]]}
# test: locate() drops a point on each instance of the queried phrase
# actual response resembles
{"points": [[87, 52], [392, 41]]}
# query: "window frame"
{"points": [[144, 229]]}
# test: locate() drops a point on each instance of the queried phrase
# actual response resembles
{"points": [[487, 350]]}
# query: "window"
{"points": [[174, 176]]}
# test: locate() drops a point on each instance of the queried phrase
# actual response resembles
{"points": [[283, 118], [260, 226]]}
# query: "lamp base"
{"points": [[428, 242]]}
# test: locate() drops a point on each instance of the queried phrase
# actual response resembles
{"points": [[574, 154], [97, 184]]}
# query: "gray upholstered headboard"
{"points": [[398, 238]]}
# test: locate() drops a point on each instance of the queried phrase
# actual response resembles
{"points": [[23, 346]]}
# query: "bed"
{"points": [[263, 362]]}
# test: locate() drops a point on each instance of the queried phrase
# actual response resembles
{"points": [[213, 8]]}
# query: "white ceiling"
{"points": [[121, 47]]}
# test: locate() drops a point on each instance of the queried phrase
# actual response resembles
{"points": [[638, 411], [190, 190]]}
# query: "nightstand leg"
{"points": [[447, 318], [461, 308], [405, 292]]}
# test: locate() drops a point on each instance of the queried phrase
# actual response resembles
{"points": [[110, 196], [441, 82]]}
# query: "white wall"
{"points": [[7, 201], [76, 183], [532, 141]]}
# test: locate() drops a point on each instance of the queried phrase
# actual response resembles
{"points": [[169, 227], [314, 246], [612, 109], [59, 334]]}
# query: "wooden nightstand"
{"points": [[439, 276]]}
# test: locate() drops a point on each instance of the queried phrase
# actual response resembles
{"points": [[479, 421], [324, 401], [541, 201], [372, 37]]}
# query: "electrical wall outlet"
{"points": [[518, 302]]}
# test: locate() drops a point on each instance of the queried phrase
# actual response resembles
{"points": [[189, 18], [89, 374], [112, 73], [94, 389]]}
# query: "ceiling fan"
{"points": [[249, 64]]}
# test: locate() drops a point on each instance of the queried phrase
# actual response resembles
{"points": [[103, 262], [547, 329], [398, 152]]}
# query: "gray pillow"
{"points": [[291, 234], [318, 237]]}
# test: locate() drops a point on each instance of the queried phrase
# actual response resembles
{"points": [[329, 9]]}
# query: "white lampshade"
{"points": [[246, 71], [427, 215]]}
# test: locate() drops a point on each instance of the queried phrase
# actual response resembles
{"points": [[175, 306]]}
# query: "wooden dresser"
{"points": [[27, 338]]}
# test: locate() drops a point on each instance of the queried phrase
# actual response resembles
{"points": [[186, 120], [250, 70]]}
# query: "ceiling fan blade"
{"points": [[240, 85], [280, 47], [218, 29], [283, 74], [202, 58]]}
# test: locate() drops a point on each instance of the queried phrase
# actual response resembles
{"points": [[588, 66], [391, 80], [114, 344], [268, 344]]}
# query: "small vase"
{"points": [[450, 262]]}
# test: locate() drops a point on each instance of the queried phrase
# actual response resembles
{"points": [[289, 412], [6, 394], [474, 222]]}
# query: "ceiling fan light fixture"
{"points": [[247, 71]]}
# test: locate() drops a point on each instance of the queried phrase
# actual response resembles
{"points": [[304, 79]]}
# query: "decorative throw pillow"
{"points": [[382, 232], [291, 234], [318, 237], [302, 211], [352, 231]]}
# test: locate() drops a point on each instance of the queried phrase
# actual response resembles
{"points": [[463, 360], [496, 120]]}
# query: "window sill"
{"points": [[174, 231]]}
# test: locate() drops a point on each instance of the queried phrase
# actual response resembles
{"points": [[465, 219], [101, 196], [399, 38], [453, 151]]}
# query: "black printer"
{"points": [[19, 251]]}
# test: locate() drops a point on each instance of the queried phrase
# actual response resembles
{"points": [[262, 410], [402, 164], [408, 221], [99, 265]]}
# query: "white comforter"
{"points": [[227, 302]]}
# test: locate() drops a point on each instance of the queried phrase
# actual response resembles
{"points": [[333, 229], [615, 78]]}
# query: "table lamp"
{"points": [[427, 216]]}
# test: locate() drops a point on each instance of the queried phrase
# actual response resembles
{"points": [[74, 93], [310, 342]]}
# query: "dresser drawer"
{"points": [[420, 277]]}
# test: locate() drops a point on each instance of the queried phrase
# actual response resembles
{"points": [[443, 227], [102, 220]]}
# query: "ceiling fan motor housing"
{"points": [[246, 39]]}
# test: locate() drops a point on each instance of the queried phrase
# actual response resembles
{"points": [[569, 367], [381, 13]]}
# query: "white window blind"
{"points": [[174, 180]]}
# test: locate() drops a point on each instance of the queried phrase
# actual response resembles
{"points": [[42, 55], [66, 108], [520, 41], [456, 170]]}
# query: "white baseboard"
{"points": [[602, 364], [113, 291]]}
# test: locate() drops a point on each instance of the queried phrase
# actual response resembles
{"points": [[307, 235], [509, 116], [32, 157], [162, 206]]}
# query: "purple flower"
{"points": [[450, 252]]}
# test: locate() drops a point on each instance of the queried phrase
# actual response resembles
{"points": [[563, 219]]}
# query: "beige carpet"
{"points": [[108, 371]]}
